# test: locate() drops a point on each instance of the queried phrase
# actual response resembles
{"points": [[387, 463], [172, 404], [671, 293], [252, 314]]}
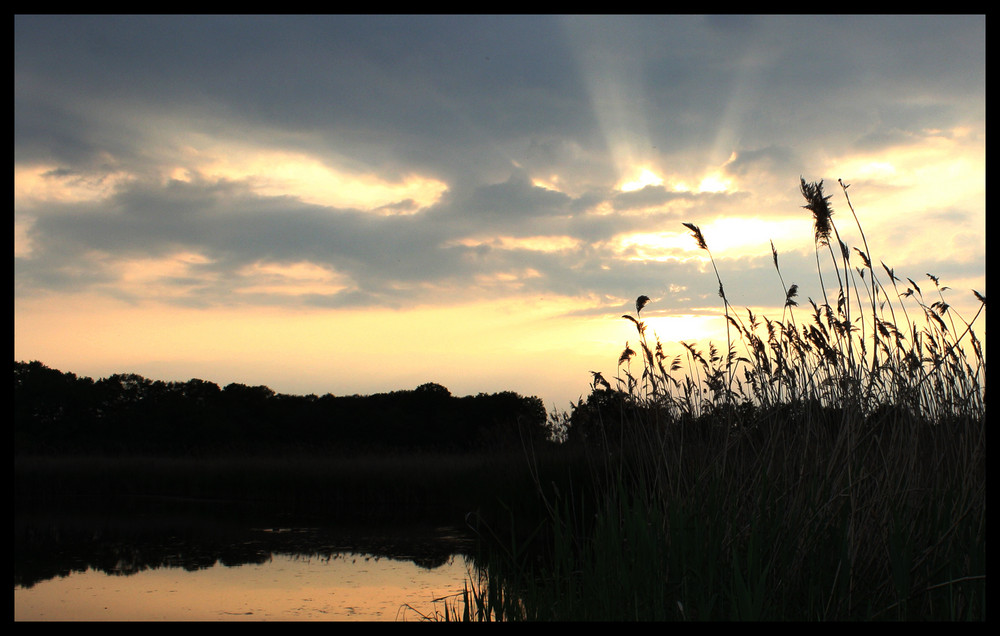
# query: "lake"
{"points": [[173, 566]]}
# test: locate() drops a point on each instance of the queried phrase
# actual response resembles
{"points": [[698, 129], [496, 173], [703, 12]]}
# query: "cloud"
{"points": [[770, 159], [647, 197], [385, 160]]}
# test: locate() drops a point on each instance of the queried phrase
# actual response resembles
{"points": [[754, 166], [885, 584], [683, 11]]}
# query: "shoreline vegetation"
{"points": [[830, 466], [826, 465], [58, 413]]}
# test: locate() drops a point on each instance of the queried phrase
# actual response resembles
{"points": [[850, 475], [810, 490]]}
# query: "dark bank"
{"points": [[125, 473]]}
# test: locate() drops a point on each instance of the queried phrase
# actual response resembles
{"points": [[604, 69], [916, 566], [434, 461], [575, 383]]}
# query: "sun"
{"points": [[714, 183], [646, 178]]}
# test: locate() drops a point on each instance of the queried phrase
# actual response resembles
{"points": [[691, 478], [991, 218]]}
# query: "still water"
{"points": [[341, 587], [181, 568]]}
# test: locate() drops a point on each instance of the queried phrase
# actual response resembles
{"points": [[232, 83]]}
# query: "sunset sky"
{"points": [[353, 204]]}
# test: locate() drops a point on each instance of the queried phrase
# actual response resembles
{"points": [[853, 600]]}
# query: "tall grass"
{"points": [[828, 465]]}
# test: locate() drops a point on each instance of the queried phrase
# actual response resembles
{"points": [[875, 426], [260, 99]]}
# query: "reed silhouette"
{"points": [[828, 465]]}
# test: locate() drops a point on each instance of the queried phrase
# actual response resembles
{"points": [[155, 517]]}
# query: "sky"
{"points": [[361, 204]]}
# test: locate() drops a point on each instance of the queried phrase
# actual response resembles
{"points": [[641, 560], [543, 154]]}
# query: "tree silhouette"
{"points": [[128, 413]]}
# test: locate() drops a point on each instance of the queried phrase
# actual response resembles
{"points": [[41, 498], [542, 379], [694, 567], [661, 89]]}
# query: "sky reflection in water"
{"points": [[342, 587]]}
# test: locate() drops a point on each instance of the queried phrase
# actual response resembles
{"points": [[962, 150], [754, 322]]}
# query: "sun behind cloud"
{"points": [[645, 177], [714, 183]]}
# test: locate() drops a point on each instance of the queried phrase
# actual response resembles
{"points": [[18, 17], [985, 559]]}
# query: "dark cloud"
{"points": [[387, 257], [486, 104], [439, 91], [646, 197], [389, 91], [493, 206], [772, 159]]}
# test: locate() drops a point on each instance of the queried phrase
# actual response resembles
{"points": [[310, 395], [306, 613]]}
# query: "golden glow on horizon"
{"points": [[535, 346], [526, 344]]}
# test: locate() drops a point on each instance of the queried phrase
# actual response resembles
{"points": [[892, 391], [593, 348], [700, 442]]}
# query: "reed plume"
{"points": [[832, 469]]}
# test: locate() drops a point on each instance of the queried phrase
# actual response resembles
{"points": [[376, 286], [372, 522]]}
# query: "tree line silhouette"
{"points": [[57, 412]]}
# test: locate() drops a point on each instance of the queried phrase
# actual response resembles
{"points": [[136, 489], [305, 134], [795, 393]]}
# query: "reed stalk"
{"points": [[842, 478]]}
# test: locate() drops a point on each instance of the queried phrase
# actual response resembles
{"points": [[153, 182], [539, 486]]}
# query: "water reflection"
{"points": [[342, 587], [181, 566]]}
